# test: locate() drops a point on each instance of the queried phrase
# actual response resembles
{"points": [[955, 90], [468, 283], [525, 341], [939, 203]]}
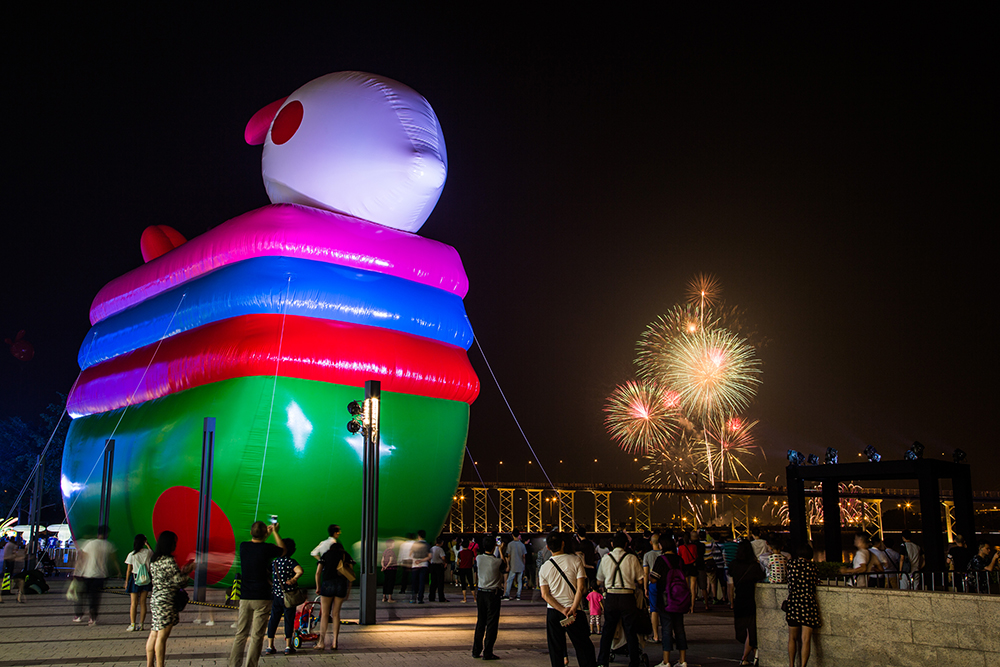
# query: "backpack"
{"points": [[141, 574], [676, 592]]}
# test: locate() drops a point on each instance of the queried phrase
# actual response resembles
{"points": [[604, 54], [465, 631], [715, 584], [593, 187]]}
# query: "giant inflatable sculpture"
{"points": [[271, 323]]}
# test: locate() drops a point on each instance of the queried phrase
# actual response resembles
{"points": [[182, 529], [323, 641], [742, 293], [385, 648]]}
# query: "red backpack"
{"points": [[676, 593]]}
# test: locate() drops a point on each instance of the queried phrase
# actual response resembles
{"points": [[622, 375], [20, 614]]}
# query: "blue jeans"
{"points": [[510, 580], [279, 612], [673, 622], [418, 582]]}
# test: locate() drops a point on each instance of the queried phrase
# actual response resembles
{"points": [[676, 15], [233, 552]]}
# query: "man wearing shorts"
{"points": [[648, 560]]}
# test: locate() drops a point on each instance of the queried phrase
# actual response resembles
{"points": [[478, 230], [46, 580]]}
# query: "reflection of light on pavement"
{"points": [[69, 487], [299, 425]]}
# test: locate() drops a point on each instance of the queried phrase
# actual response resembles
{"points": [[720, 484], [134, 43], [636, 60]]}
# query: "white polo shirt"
{"points": [[549, 576], [631, 572]]}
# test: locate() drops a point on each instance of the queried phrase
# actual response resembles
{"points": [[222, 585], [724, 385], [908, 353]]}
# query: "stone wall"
{"points": [[886, 628]]}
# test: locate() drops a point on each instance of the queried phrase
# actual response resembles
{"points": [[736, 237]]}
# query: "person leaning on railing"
{"points": [[981, 565], [865, 563]]}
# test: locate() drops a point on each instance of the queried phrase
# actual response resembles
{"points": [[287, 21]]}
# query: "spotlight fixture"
{"points": [[813, 460], [355, 409], [795, 458], [873, 456], [959, 456], [916, 451], [831, 455]]}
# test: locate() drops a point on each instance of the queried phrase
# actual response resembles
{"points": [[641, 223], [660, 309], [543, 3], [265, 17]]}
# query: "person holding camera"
{"points": [[563, 580], [256, 594]]}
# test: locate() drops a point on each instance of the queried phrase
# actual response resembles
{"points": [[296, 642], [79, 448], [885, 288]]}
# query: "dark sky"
{"points": [[835, 171]]}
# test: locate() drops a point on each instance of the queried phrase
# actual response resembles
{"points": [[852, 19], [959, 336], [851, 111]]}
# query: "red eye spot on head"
{"points": [[287, 122]]}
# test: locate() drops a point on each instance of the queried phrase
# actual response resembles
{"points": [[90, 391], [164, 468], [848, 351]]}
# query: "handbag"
{"points": [[784, 605], [296, 597], [180, 600], [74, 591], [345, 570]]}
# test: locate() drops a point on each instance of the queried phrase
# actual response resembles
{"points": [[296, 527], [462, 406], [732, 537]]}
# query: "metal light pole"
{"points": [[369, 503], [204, 529]]}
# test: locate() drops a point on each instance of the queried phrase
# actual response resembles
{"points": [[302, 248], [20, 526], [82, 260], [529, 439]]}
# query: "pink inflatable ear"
{"points": [[260, 122], [158, 240]]}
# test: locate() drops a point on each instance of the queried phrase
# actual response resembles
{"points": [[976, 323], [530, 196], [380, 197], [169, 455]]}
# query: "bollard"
{"points": [[6, 582], [233, 596]]}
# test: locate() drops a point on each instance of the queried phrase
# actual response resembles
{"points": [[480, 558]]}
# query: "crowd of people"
{"points": [[628, 590], [633, 590]]}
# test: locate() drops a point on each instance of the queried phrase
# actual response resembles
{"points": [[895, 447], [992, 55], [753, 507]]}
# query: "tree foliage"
{"points": [[20, 445]]}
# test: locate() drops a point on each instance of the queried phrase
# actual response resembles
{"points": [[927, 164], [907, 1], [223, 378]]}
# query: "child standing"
{"points": [[596, 602]]}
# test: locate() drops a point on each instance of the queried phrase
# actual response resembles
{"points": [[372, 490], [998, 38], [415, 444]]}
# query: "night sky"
{"points": [[836, 172]]}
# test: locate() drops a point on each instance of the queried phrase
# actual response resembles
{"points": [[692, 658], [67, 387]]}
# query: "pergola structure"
{"points": [[927, 473]]}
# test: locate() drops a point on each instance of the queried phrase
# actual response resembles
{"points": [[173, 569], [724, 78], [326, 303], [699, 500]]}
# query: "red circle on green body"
{"points": [[177, 510]]}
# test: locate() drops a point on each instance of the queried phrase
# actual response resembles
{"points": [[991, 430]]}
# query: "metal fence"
{"points": [[977, 583]]}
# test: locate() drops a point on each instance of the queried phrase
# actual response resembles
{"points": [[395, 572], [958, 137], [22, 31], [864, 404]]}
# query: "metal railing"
{"points": [[977, 583]]}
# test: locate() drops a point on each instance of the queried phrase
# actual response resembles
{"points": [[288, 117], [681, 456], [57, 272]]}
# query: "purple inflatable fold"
{"points": [[289, 230]]}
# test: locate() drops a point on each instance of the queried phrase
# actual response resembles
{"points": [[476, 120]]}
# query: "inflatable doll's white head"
{"points": [[354, 143]]}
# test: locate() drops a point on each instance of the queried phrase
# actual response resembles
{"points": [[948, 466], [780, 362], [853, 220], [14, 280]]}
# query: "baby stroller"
{"points": [[619, 647], [306, 623]]}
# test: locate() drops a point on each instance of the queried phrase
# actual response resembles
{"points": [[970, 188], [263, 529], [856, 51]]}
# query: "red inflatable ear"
{"points": [[20, 348], [260, 123], [158, 240]]}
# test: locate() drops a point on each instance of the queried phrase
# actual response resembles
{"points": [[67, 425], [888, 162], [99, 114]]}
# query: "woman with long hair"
{"points": [[333, 589], [138, 584], [688, 553], [167, 578], [746, 573]]}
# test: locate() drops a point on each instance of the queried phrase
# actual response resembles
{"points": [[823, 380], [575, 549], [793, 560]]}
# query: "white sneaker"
{"points": [[681, 664], [131, 628], [209, 623]]}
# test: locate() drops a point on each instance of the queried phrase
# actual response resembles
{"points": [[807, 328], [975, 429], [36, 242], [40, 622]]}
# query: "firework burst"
{"points": [[730, 441], [715, 372], [704, 290], [640, 415], [655, 341]]}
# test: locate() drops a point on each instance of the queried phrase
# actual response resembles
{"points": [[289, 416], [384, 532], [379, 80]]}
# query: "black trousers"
{"points": [[487, 622], [389, 581], [579, 634], [90, 597], [418, 582], [619, 607], [437, 582], [404, 578]]}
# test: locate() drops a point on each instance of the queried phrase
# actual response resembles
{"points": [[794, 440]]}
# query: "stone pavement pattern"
{"points": [[41, 632]]}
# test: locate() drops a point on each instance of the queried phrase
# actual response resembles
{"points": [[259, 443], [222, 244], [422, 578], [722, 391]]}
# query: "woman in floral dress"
{"points": [[167, 578], [803, 609]]}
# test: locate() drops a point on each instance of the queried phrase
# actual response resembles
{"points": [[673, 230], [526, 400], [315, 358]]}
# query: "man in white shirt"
{"points": [[438, 562], [621, 573], [420, 554], [406, 562], [92, 558], [563, 580], [334, 532]]}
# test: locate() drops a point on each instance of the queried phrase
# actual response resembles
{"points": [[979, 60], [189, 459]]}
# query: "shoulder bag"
{"points": [[180, 600], [296, 597]]}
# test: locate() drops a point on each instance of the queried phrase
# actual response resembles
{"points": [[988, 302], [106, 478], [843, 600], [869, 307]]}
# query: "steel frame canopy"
{"points": [[927, 472]]}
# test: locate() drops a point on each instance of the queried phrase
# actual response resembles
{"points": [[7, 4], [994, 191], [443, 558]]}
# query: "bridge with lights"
{"points": [[479, 496]]}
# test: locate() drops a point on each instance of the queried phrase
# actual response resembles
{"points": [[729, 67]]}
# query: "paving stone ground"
{"points": [[41, 632]]}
